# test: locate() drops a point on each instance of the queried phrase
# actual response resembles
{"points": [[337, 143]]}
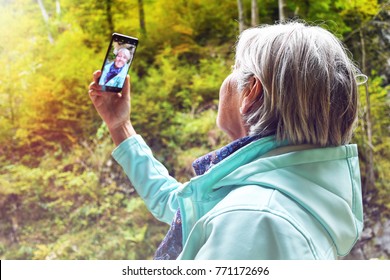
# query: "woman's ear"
{"points": [[252, 93]]}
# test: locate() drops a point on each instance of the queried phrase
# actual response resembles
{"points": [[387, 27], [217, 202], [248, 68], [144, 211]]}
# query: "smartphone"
{"points": [[120, 54]]}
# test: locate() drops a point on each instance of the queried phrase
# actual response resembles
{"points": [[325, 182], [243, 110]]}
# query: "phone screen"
{"points": [[118, 59]]}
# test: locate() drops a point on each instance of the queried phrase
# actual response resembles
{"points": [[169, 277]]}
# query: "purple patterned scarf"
{"points": [[112, 73], [171, 246]]}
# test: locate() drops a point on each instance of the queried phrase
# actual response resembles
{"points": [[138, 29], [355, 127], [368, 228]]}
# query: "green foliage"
{"points": [[380, 113], [194, 137], [57, 108], [171, 91], [61, 195], [18, 63], [51, 210]]}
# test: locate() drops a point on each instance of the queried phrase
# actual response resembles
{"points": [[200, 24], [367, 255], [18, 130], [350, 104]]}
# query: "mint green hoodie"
{"points": [[265, 201]]}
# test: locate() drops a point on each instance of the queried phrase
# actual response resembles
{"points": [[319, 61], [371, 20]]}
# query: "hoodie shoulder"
{"points": [[248, 219]]}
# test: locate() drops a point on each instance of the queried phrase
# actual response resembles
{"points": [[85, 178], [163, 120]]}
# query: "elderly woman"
{"points": [[115, 73], [288, 185]]}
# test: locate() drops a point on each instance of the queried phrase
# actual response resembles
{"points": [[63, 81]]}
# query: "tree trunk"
{"points": [[281, 4], [241, 24], [46, 20], [58, 8], [141, 12], [254, 13], [370, 175], [11, 107], [109, 16]]}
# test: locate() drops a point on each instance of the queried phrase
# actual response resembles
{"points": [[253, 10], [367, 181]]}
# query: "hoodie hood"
{"points": [[325, 181]]}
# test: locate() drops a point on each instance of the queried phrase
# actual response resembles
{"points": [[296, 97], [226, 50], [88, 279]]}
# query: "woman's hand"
{"points": [[113, 108]]}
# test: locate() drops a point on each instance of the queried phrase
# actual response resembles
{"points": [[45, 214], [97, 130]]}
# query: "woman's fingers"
{"points": [[96, 76], [94, 88], [93, 92]]}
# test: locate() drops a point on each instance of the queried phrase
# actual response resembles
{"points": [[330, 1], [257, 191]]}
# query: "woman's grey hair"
{"points": [[309, 83], [126, 52]]}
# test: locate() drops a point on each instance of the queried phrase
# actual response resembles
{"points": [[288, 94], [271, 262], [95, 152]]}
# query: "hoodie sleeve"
{"points": [[149, 177]]}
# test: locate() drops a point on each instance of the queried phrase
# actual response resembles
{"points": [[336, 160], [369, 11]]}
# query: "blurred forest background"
{"points": [[61, 194]]}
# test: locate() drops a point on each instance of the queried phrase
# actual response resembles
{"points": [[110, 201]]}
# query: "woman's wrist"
{"points": [[121, 132]]}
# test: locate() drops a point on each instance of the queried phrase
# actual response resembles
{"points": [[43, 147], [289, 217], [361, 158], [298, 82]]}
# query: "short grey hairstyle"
{"points": [[310, 91], [126, 52]]}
